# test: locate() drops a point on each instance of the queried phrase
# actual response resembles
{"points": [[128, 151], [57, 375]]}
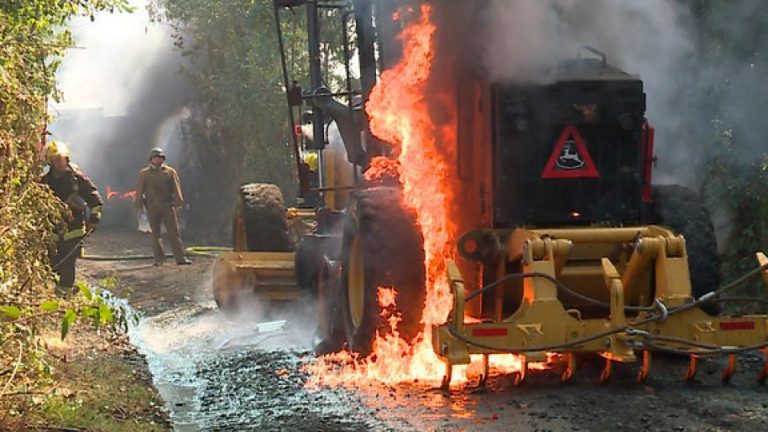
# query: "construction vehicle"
{"points": [[567, 246], [579, 252]]}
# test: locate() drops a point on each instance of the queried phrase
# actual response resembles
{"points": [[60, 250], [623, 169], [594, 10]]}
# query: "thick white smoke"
{"points": [[111, 59], [120, 85], [648, 38]]}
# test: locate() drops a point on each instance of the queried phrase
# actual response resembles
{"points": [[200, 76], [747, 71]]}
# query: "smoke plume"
{"points": [[649, 38], [659, 41], [122, 95]]}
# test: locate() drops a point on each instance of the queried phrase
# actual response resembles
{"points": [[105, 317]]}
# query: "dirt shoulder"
{"points": [[101, 382], [149, 289]]}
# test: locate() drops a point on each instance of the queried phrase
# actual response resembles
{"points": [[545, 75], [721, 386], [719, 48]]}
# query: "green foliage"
{"points": [[11, 312], [732, 39], [741, 191], [33, 39]]}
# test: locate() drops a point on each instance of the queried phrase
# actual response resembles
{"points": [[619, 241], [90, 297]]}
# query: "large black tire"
{"points": [[381, 246], [682, 210], [330, 334], [260, 222], [317, 277]]}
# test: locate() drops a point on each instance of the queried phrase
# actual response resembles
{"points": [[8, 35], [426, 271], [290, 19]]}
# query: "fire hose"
{"points": [[203, 251], [705, 349], [73, 250]]}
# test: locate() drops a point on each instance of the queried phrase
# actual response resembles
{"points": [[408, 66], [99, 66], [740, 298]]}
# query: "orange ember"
{"points": [[382, 168], [111, 194], [400, 115]]}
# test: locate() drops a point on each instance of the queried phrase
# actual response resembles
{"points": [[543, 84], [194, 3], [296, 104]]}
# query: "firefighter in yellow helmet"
{"points": [[78, 192], [309, 179], [159, 191], [311, 160]]}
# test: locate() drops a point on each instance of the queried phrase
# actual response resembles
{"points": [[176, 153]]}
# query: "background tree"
{"points": [[729, 78]]}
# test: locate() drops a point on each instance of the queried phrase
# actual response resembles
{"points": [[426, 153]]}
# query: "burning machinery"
{"points": [[563, 245], [581, 253]]}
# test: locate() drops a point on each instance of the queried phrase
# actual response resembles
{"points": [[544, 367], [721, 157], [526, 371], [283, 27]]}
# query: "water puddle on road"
{"points": [[217, 374], [177, 342]]}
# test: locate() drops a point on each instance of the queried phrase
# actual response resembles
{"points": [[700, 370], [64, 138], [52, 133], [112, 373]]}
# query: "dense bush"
{"points": [[33, 39]]}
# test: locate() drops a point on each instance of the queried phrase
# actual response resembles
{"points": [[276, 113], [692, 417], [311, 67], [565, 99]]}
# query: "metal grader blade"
{"points": [[240, 277], [647, 304]]}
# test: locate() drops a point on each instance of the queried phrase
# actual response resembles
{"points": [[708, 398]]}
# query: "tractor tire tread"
{"points": [[681, 210], [265, 217]]}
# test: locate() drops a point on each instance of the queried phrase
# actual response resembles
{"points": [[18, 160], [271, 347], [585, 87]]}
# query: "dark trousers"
{"points": [[165, 215], [63, 261]]}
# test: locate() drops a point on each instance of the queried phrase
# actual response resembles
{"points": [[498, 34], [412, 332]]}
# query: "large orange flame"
{"points": [[399, 115]]}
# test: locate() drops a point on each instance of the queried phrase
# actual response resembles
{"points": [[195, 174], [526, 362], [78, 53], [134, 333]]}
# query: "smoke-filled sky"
{"points": [[657, 40], [111, 60], [121, 86]]}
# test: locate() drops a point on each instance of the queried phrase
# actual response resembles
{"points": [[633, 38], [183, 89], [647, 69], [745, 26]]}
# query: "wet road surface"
{"points": [[218, 374]]}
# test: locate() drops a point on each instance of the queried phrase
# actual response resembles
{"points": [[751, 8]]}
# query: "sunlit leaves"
{"points": [[33, 39], [11, 312], [49, 306], [66, 322], [84, 290], [105, 313]]}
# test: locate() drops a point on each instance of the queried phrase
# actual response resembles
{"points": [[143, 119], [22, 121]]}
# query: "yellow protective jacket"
{"points": [[158, 187]]}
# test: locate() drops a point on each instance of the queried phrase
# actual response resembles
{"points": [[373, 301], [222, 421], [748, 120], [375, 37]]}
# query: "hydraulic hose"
{"points": [[704, 348], [561, 286]]}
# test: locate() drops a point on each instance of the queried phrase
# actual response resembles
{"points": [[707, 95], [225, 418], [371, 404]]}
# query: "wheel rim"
{"points": [[356, 283]]}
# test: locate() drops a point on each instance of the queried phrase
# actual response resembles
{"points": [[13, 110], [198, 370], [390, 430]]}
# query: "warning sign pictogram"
{"points": [[570, 158]]}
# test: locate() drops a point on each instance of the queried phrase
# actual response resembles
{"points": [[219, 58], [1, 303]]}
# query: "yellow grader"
{"points": [[567, 246]]}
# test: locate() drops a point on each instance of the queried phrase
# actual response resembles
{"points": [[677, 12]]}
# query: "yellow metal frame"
{"points": [[269, 275], [542, 324]]}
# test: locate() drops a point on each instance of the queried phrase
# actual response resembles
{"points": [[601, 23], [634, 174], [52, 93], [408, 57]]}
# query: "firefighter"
{"points": [[159, 191], [78, 192], [310, 179]]}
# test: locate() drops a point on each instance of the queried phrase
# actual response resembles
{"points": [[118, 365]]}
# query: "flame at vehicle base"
{"points": [[399, 115]]}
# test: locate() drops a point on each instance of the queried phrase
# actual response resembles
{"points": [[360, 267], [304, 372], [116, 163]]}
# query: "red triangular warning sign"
{"points": [[570, 159]]}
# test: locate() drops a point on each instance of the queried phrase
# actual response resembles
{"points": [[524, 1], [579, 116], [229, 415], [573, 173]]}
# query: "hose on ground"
{"points": [[203, 251], [208, 251]]}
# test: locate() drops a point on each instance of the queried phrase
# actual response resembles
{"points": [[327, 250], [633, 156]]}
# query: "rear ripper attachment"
{"points": [[622, 293], [262, 266]]}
